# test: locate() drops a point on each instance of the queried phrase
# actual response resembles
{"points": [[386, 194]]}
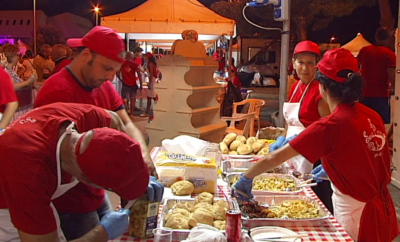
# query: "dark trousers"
{"points": [[324, 191]]}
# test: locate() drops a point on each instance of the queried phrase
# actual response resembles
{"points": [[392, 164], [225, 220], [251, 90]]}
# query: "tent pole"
{"points": [[127, 41]]}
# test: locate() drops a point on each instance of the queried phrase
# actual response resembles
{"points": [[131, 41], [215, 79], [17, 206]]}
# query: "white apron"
{"points": [[291, 115], [348, 212], [8, 233]]}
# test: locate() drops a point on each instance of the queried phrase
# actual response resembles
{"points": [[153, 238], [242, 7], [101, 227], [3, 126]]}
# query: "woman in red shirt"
{"points": [[306, 106], [354, 151]]}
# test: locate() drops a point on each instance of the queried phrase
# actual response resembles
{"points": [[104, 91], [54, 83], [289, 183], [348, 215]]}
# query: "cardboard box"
{"points": [[201, 171]]}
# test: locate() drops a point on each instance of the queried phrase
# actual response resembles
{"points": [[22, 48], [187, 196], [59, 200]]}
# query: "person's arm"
{"points": [[271, 161], [140, 77], [135, 133], [392, 79], [8, 114]]}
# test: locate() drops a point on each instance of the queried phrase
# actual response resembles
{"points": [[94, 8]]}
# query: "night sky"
{"points": [[364, 20]]}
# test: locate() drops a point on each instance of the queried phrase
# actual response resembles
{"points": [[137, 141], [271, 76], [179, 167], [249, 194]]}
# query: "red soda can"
{"points": [[233, 225]]}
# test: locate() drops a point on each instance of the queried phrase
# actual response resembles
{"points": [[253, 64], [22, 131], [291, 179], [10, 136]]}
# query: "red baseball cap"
{"points": [[149, 55], [335, 61], [114, 160], [307, 46], [104, 41]]}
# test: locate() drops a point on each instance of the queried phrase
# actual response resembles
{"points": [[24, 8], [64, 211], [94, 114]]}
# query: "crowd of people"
{"points": [[81, 142]]}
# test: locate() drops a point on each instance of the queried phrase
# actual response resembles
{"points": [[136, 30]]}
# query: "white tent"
{"points": [[356, 44], [160, 22]]}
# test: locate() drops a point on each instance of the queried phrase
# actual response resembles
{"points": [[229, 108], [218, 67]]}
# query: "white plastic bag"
{"points": [[185, 144]]}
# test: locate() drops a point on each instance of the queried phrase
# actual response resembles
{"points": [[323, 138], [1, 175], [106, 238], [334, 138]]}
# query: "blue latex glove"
{"points": [[116, 223], [319, 174], [244, 185], [155, 190], [280, 142], [277, 144]]}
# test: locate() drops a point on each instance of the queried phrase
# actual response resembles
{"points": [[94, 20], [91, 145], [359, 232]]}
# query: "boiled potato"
{"points": [[229, 138], [258, 145], [224, 148], [241, 138], [244, 149], [234, 145]]}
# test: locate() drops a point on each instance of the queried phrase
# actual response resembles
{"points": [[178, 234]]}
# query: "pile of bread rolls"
{"points": [[186, 215], [234, 144]]}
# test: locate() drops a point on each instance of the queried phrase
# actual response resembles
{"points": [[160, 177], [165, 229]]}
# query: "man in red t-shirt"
{"points": [[8, 99], [130, 73], [65, 144], [100, 55], [378, 65]]}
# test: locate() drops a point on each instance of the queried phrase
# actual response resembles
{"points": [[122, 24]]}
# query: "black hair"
{"points": [[28, 53], [348, 92], [138, 49], [382, 34]]}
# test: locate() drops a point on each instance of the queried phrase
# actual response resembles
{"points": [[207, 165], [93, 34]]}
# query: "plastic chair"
{"points": [[249, 114]]}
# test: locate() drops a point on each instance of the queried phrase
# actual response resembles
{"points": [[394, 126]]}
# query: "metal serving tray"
{"points": [[177, 234], [231, 164], [278, 200], [236, 175]]}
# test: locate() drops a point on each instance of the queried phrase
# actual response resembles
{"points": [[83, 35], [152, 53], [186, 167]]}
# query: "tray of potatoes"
{"points": [[238, 146]]}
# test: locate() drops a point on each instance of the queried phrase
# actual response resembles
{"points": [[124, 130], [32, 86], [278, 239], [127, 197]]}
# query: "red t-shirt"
{"points": [[28, 162], [355, 154], [374, 61], [61, 65], [63, 87], [138, 61], [7, 92], [309, 106], [128, 70], [236, 82]]}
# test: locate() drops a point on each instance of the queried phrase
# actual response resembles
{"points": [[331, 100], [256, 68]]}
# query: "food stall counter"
{"points": [[328, 230]]}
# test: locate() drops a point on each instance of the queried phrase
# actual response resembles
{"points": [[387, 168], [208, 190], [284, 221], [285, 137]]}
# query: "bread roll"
{"points": [[221, 203], [203, 205], [232, 152], [181, 188], [244, 149], [241, 138], [229, 138], [180, 211], [184, 205], [177, 221], [219, 213], [221, 225], [205, 197], [234, 145], [201, 215]]}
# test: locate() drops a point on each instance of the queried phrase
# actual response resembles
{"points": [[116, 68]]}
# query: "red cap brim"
{"points": [[74, 43]]}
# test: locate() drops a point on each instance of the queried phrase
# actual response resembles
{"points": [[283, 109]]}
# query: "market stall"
{"points": [[326, 228]]}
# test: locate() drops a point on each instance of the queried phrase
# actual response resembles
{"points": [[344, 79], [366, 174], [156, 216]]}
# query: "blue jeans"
{"points": [[75, 225]]}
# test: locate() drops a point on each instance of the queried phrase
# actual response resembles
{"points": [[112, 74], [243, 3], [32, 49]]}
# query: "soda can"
{"points": [[233, 225]]}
